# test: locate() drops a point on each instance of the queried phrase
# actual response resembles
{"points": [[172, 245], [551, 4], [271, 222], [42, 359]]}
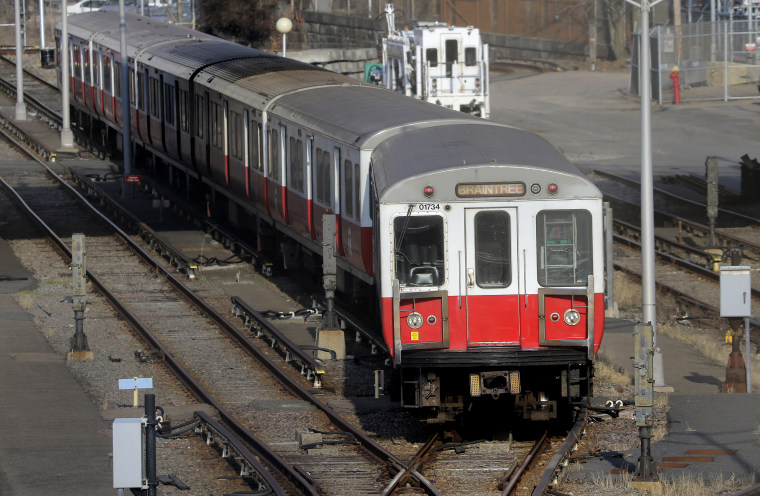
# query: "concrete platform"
{"points": [[54, 440]]}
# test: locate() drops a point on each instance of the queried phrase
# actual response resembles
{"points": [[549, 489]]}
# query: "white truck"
{"points": [[442, 64]]}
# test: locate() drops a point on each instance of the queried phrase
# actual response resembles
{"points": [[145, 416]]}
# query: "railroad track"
{"points": [[684, 268], [193, 336]]}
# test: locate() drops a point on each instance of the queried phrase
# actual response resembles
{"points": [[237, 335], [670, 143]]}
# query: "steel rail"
{"points": [[679, 295], [309, 366], [567, 446], [725, 212], [374, 449], [290, 472], [679, 262], [692, 226], [410, 469], [530, 458], [29, 73]]}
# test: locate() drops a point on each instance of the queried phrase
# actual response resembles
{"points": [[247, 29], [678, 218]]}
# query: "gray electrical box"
{"points": [[128, 466], [735, 291]]}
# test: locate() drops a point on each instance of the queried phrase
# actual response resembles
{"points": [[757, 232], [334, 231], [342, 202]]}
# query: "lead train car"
{"points": [[480, 244]]}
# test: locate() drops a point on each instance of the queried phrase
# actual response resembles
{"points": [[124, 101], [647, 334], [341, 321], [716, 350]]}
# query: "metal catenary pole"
{"points": [[67, 136], [20, 105], [647, 193], [126, 116]]}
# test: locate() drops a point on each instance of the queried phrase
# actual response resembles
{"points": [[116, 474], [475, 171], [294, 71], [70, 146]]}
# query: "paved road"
{"points": [[591, 119]]}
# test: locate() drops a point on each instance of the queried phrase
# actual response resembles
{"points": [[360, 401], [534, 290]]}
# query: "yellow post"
{"points": [[135, 403]]}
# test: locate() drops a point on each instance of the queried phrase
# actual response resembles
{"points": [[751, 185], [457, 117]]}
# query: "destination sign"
{"points": [[470, 190]]}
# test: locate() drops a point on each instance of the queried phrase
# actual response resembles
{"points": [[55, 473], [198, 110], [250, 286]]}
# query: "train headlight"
{"points": [[572, 317], [477, 83], [435, 84], [414, 320]]}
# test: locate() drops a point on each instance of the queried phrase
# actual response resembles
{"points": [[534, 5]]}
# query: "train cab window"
{"points": [[295, 172], [183, 110], [236, 135], [274, 153], [431, 56], [470, 56], [348, 188], [492, 255], [200, 115], [418, 250], [563, 240], [154, 97], [169, 104]]}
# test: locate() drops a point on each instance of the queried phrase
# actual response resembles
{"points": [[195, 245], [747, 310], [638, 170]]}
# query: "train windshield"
{"points": [[563, 240], [419, 250]]}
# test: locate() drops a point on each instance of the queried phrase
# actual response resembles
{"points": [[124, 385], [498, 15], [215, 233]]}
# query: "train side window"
{"points": [[348, 179], [96, 70], [107, 74], [563, 239], [86, 65], [117, 79], [183, 110], [199, 115], [216, 114], [131, 79], [295, 172], [492, 253], [470, 56], [418, 250], [431, 56], [274, 152], [255, 146], [236, 135], [169, 103], [77, 61], [322, 177], [357, 192], [153, 96], [140, 91]]}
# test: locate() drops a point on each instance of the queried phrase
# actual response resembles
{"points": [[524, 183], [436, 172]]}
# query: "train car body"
{"points": [[478, 243]]}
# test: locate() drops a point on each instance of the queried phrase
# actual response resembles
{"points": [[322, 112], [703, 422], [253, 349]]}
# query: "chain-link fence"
{"points": [[714, 61]]}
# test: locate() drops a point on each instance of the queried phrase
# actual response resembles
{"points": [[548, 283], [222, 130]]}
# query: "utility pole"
{"points": [[648, 287], [20, 105]]}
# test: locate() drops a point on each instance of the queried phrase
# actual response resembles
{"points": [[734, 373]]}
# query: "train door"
{"points": [[451, 54], [492, 276]]}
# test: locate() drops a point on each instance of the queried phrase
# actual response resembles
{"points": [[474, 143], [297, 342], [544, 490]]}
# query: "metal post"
{"points": [[748, 364], [711, 178], [20, 105], [126, 116], [42, 24], [643, 334], [150, 444], [80, 350], [329, 269], [67, 137]]}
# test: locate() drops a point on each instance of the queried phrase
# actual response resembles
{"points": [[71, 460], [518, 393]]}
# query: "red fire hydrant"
{"points": [[676, 85]]}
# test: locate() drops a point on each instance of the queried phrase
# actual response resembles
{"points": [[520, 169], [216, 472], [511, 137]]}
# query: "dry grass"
{"points": [[25, 300], [606, 372], [687, 483]]}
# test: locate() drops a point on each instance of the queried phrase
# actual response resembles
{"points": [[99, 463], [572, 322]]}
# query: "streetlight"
{"points": [[284, 25]]}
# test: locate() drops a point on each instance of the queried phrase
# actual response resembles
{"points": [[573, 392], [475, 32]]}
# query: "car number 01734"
{"points": [[429, 206]]}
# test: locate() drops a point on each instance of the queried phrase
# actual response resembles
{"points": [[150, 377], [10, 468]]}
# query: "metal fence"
{"points": [[715, 61]]}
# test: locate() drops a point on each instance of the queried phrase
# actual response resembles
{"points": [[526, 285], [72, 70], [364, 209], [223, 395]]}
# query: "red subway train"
{"points": [[479, 244]]}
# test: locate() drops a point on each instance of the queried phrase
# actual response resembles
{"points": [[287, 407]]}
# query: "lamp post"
{"points": [[284, 25]]}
